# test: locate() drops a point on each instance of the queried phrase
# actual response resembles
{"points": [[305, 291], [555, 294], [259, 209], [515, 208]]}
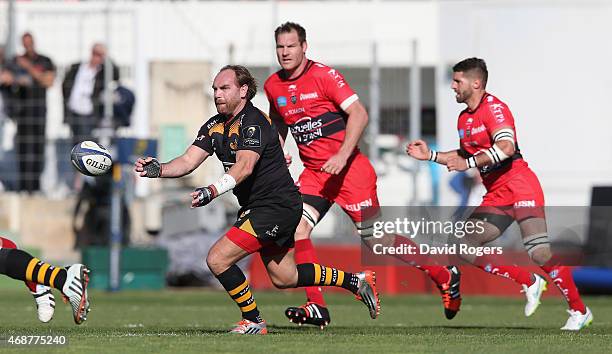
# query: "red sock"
{"points": [[416, 260], [563, 279], [515, 273], [439, 274], [32, 286], [305, 253], [6, 243]]}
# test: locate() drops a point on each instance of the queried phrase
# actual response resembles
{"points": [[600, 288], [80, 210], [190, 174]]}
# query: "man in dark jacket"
{"points": [[82, 88]]}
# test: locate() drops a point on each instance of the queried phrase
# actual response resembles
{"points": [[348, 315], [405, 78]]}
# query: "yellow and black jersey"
{"points": [[251, 129]]}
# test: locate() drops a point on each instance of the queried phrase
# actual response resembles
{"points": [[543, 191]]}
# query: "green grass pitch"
{"points": [[196, 321]]}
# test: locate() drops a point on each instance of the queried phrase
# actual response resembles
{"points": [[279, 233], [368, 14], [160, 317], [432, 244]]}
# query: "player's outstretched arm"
{"points": [[245, 163], [356, 122], [183, 165], [419, 150]]}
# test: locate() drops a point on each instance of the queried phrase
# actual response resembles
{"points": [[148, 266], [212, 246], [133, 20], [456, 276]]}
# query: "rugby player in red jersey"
{"points": [[40, 277], [488, 141], [326, 119]]}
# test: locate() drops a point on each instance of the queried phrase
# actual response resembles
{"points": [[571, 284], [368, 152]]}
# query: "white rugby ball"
{"points": [[91, 158]]}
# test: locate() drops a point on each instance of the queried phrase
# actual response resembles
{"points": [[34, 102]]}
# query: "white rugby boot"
{"points": [[249, 327], [75, 291], [45, 303], [577, 320], [533, 293]]}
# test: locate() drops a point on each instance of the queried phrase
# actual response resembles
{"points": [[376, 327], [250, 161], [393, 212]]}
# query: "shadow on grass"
{"points": [[185, 332], [399, 329]]}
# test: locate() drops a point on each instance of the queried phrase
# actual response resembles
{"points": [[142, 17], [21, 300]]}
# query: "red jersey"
{"points": [[476, 133], [312, 106]]}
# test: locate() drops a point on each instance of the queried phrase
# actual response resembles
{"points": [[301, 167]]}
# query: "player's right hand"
{"points": [[148, 167], [418, 149], [456, 163]]}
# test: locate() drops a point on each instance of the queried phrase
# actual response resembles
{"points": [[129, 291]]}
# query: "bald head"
{"points": [[98, 54]]}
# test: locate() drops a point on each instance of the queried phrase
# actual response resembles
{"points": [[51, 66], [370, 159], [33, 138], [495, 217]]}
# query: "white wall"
{"points": [[339, 33], [549, 61]]}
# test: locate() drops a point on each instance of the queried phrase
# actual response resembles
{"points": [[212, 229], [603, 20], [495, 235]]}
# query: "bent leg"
{"points": [[536, 242], [535, 239], [304, 251], [221, 260], [20, 265], [6, 243], [285, 274], [492, 227]]}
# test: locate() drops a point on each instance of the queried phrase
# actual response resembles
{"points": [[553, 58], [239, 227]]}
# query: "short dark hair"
{"points": [[291, 26], [473, 65], [27, 34], [243, 77]]}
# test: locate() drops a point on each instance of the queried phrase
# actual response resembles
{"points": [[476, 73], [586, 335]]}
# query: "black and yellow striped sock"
{"points": [[20, 265], [237, 286], [310, 274]]}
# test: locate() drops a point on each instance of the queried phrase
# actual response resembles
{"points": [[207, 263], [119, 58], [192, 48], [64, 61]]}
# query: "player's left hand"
{"points": [[202, 196], [335, 164], [456, 163]]}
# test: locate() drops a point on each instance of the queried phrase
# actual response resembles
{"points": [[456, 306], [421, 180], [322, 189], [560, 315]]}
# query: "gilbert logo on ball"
{"points": [[91, 158]]}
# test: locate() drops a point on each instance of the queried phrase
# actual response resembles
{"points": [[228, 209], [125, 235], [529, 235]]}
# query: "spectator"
{"points": [[33, 73], [6, 80], [7, 87], [82, 89], [8, 167]]}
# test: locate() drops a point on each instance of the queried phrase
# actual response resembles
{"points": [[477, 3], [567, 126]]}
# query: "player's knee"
{"points": [[280, 284], [541, 255], [310, 217], [365, 230], [468, 257], [386, 240], [538, 248], [216, 262], [283, 281], [303, 231]]}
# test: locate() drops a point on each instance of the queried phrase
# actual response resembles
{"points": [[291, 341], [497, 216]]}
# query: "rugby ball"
{"points": [[91, 158]]}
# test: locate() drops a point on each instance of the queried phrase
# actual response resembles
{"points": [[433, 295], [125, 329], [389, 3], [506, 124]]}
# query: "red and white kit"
{"points": [[510, 183], [312, 106]]}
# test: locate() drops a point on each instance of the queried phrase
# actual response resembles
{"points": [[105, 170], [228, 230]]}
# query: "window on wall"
{"points": [[394, 95]]}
